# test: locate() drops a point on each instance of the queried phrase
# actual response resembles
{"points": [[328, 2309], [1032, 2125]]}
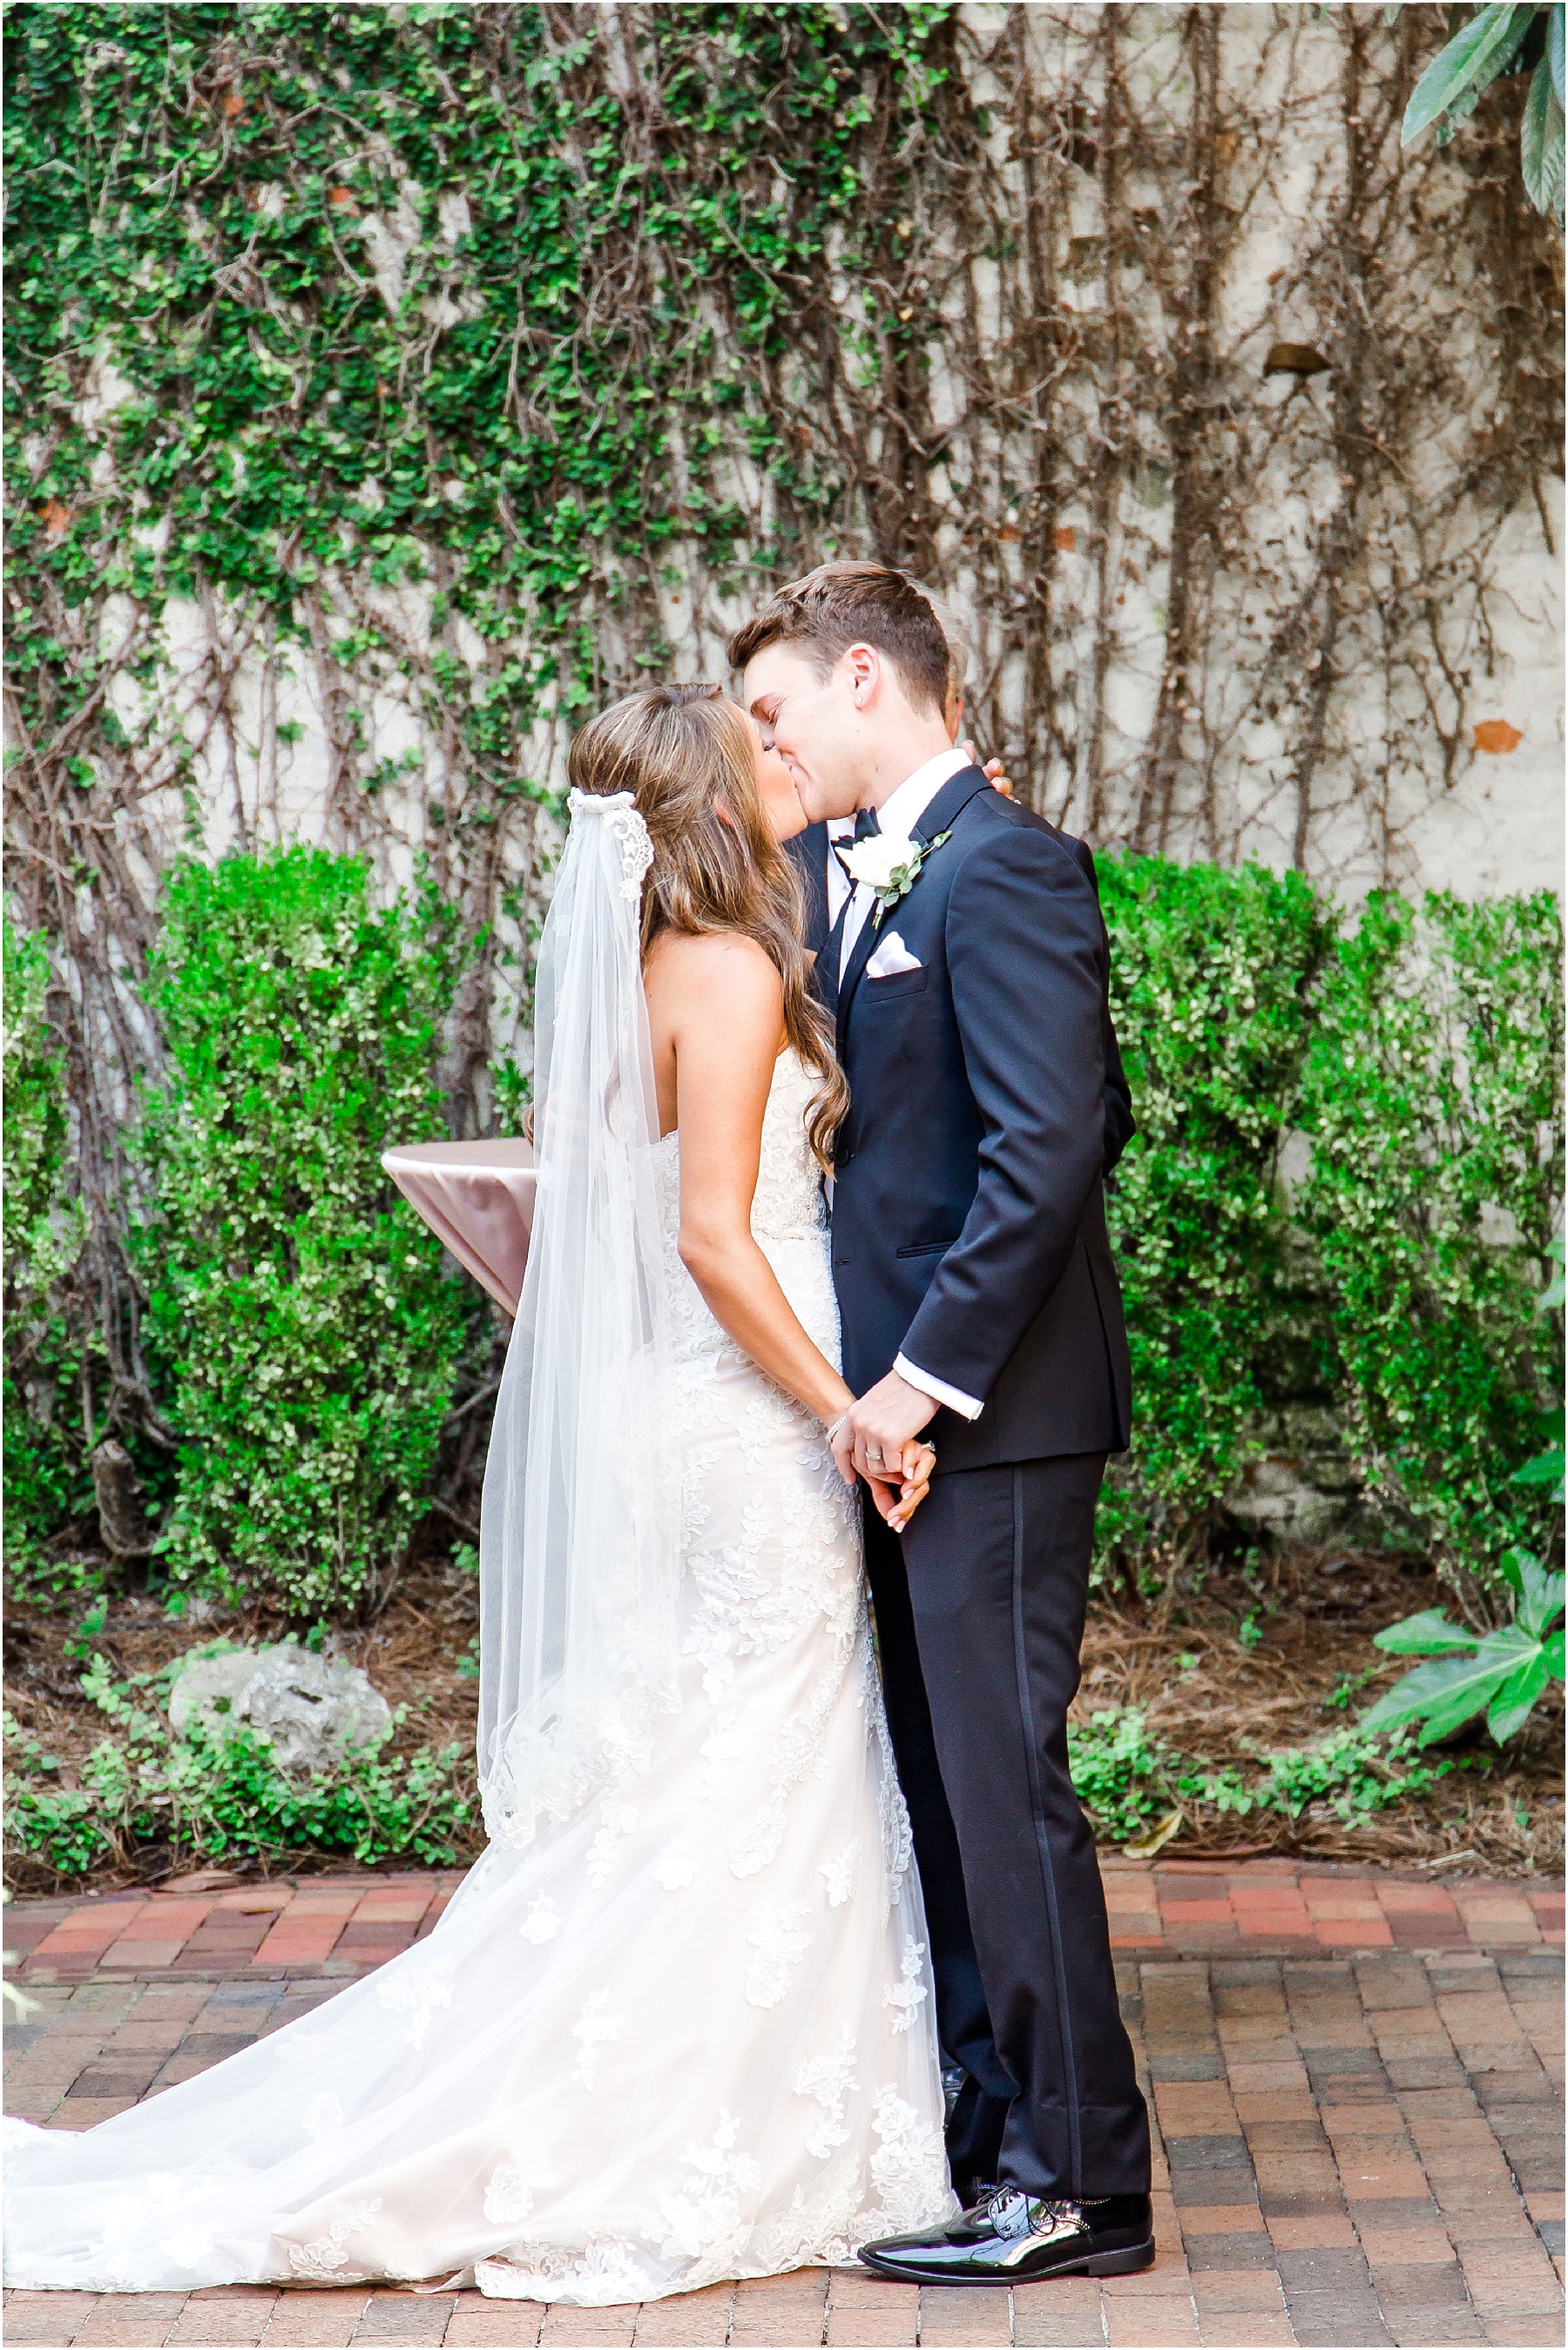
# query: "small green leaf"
{"points": [[1511, 1706], [1545, 1469], [1541, 1601], [1511, 1566], [1476, 56], [1441, 1696], [1540, 142], [1419, 1636]]}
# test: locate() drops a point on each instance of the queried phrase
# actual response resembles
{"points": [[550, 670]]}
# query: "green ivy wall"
{"points": [[388, 384]]}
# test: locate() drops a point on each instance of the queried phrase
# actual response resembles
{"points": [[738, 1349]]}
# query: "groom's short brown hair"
{"points": [[844, 604]]}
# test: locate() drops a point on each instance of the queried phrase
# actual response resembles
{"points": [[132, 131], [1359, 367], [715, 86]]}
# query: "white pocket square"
{"points": [[890, 956]]}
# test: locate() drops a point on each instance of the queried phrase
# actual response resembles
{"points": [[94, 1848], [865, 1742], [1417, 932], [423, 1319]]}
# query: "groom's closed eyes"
{"points": [[765, 711]]}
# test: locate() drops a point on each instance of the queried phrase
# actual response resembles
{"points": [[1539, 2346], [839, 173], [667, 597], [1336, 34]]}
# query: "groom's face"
{"points": [[814, 722]]}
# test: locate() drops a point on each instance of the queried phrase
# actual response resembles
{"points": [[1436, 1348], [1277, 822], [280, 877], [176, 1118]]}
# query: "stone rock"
{"points": [[1301, 1485], [310, 1707]]}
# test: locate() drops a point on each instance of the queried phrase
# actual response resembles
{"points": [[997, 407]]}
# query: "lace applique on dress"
{"points": [[607, 2271], [188, 2248], [705, 2221], [898, 1836], [615, 1820], [417, 1992], [829, 2079], [841, 1872], [908, 2169], [722, 1746], [323, 2116], [676, 1865], [324, 2256], [909, 1993], [593, 2028], [543, 1922], [796, 1750], [780, 1947], [508, 2198]]}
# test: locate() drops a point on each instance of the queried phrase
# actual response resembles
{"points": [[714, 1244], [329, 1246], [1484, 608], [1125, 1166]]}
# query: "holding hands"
{"points": [[878, 1438]]}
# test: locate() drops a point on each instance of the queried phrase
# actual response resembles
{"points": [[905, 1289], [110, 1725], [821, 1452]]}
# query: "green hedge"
{"points": [[47, 1482], [306, 1332], [1421, 1052], [1213, 980], [1433, 1097], [306, 1324]]}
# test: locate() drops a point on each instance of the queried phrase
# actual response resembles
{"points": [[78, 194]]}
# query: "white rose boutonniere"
{"points": [[888, 866]]}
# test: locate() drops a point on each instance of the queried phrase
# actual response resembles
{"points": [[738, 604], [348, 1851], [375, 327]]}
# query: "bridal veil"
{"points": [[579, 1552]]}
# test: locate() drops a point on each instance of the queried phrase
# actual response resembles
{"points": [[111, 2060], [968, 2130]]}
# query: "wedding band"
{"points": [[871, 1455]]}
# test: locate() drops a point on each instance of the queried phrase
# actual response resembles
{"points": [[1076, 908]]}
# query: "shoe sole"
{"points": [[1127, 2263]]}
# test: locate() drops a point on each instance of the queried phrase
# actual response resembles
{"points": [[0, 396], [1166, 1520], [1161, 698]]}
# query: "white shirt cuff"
{"points": [[937, 1389]]}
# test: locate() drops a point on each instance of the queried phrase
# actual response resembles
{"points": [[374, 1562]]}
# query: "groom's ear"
{"points": [[867, 671]]}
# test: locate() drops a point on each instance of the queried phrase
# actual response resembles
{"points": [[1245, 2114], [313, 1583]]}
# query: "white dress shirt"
{"points": [[898, 816]]}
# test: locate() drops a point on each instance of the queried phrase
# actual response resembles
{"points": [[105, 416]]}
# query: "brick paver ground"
{"points": [[1355, 2079]]}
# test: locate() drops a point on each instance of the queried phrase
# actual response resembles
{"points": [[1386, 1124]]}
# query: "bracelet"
{"points": [[838, 1423]]}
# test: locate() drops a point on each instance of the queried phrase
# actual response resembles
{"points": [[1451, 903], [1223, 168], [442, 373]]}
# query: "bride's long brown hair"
{"points": [[684, 753]]}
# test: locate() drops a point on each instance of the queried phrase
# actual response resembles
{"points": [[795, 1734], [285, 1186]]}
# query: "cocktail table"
{"points": [[478, 1200]]}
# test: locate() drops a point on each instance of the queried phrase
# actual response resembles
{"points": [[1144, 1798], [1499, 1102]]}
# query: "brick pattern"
{"points": [[1358, 2130], [1285, 1907], [313, 1925], [345, 1925]]}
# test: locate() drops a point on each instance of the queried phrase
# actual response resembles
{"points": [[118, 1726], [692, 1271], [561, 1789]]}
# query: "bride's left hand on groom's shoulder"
{"points": [[994, 770]]}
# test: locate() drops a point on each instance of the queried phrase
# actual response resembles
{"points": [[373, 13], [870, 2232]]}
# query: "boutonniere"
{"points": [[888, 866]]}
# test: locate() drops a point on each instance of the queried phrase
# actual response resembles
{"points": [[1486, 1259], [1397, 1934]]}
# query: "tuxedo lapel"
{"points": [[860, 956]]}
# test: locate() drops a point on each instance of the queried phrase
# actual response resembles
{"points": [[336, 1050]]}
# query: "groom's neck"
{"points": [[895, 750]]}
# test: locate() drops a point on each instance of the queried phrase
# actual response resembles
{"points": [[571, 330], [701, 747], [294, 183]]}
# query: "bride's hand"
{"points": [[920, 1460], [994, 771]]}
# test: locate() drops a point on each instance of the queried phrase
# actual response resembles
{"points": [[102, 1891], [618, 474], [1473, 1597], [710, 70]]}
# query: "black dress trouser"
{"points": [[980, 1620]]}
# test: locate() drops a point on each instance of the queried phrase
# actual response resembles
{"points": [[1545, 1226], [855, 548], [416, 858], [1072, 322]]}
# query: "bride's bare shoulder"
{"points": [[713, 971]]}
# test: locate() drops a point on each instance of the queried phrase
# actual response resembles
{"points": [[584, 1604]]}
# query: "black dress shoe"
{"points": [[1012, 2238]]}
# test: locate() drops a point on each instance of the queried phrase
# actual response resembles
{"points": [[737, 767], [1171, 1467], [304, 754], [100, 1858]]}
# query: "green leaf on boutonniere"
{"points": [[903, 877]]}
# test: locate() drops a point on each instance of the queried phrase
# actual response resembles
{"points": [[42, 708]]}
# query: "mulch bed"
{"points": [[1240, 1659], [1271, 1638]]}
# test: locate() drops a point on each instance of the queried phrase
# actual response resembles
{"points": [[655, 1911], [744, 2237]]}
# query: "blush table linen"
{"points": [[478, 1200]]}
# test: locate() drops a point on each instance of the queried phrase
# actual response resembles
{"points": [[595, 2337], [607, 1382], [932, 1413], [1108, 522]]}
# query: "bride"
{"points": [[677, 2024]]}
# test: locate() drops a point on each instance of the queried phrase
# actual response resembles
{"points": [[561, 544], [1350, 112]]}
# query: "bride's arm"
{"points": [[715, 1006], [715, 1009]]}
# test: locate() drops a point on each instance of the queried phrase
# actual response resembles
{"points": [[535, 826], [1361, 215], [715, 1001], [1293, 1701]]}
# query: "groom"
{"points": [[981, 1310]]}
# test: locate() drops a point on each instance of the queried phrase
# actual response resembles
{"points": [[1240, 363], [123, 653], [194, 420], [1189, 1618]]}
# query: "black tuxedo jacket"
{"points": [[987, 1103], [810, 851]]}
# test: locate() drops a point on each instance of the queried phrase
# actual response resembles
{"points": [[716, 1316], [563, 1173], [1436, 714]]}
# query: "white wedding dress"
{"points": [[686, 2035]]}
